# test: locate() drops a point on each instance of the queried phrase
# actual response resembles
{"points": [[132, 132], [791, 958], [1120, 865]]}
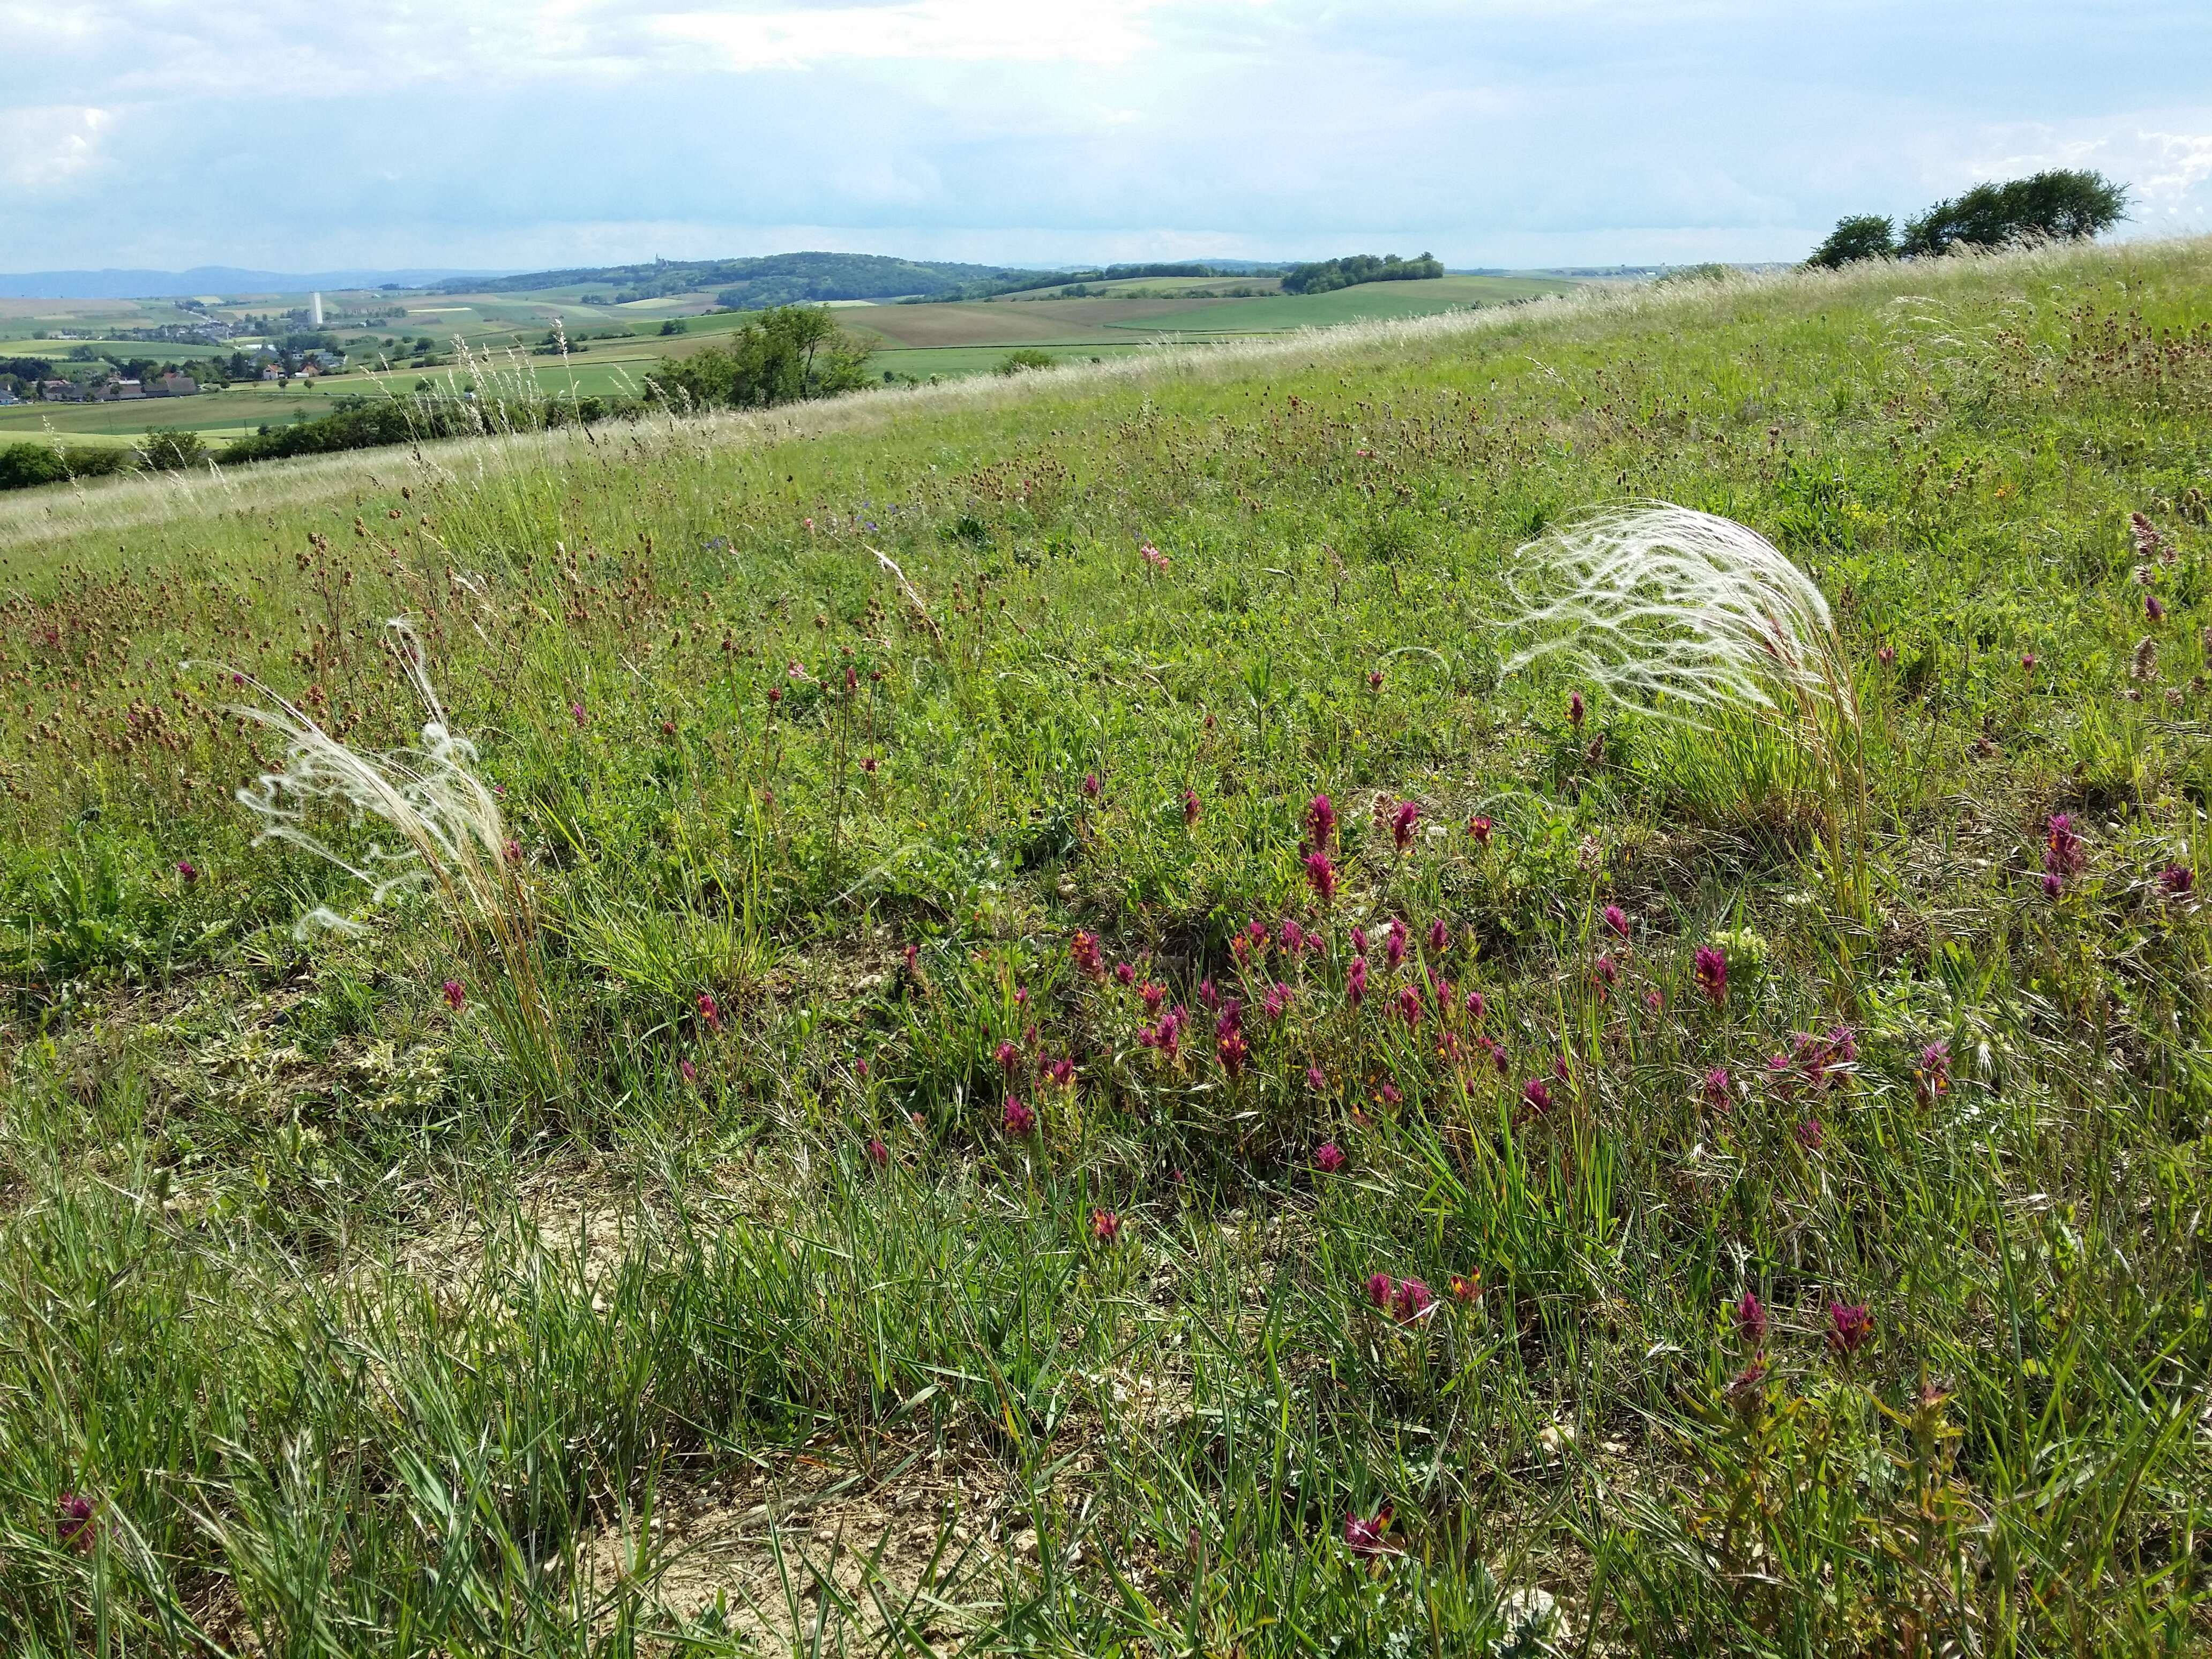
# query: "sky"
{"points": [[526, 134]]}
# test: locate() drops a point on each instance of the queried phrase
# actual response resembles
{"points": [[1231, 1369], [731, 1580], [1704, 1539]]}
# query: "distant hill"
{"points": [[782, 279], [776, 280], [205, 279]]}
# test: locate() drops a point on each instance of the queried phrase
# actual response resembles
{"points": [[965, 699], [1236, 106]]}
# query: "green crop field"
{"points": [[615, 347], [892, 1116]]}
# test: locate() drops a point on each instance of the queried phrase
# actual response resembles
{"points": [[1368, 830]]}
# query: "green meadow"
{"points": [[842, 1090]]}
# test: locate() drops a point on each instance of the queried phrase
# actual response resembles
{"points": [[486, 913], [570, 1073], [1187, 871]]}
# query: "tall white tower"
{"points": [[315, 309]]}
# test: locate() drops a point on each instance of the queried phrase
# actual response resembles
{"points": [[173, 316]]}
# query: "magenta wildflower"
{"points": [[1607, 969], [1126, 974], [1008, 1056], [510, 849], [576, 713], [1355, 986], [1751, 1320], [1653, 1000], [879, 1154], [1208, 997], [1380, 1288], [1320, 873], [1084, 949], [2028, 662], [1440, 936], [1812, 1134], [1409, 1004], [1712, 973], [1328, 1157], [1402, 822], [1849, 1328], [2177, 881], [1575, 709], [687, 1071], [188, 871], [1277, 999], [1390, 1095], [1154, 995], [1321, 822], [1394, 947], [1358, 941], [454, 994], [1091, 786], [2153, 610], [73, 1526], [1933, 1074], [1316, 1081], [710, 1010], [1363, 1534], [1293, 937], [2053, 885], [1061, 1073], [1412, 1299], [1617, 920], [2064, 853], [1744, 1389], [1017, 1118], [1476, 1008], [1190, 808], [1373, 679], [1536, 1094], [1717, 1089], [1478, 828], [1233, 1051]]}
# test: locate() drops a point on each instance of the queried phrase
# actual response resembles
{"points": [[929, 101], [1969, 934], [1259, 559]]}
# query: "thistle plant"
{"points": [[454, 840], [1693, 618]]}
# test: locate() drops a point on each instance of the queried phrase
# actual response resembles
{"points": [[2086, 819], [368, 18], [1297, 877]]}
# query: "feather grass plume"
{"points": [[453, 839], [1690, 615]]}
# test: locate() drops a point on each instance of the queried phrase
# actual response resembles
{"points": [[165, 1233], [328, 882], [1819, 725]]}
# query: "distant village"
{"points": [[296, 348]]}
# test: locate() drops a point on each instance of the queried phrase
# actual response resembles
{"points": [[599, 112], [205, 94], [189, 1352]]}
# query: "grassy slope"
{"points": [[346, 1326]]}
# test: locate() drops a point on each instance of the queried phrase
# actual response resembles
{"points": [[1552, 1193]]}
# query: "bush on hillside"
{"points": [[2060, 205], [1029, 357], [1860, 236], [172, 449], [1332, 273]]}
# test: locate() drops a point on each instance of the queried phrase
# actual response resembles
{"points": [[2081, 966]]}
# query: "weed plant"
{"points": [[1123, 1086]]}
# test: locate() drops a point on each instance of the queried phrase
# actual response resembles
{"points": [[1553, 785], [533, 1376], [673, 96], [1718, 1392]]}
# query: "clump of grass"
{"points": [[453, 839], [1694, 618]]}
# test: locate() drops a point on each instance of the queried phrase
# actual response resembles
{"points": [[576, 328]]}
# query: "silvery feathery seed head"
{"points": [[1688, 613]]}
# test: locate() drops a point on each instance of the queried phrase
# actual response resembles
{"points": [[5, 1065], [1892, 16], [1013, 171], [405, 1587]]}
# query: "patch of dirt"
{"points": [[923, 1550]]}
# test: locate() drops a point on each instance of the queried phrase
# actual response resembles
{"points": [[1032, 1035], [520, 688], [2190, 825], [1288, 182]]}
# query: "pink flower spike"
{"points": [[1380, 1288], [1363, 1534], [879, 1154], [1328, 1157], [1617, 920], [1016, 1119], [1105, 1226]]}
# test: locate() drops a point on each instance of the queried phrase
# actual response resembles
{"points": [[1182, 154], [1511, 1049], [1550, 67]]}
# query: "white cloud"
{"points": [[2184, 162], [1097, 32], [49, 146]]}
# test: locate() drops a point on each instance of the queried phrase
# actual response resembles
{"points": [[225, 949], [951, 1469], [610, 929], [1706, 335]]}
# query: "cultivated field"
{"points": [[897, 1122], [613, 347]]}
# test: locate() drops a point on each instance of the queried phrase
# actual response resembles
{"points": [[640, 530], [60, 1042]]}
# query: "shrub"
{"points": [[1029, 357], [172, 449]]}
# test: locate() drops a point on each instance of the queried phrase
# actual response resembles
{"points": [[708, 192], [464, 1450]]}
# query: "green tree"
{"points": [[792, 353], [1861, 236], [1029, 357], [2059, 205], [172, 449]]}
